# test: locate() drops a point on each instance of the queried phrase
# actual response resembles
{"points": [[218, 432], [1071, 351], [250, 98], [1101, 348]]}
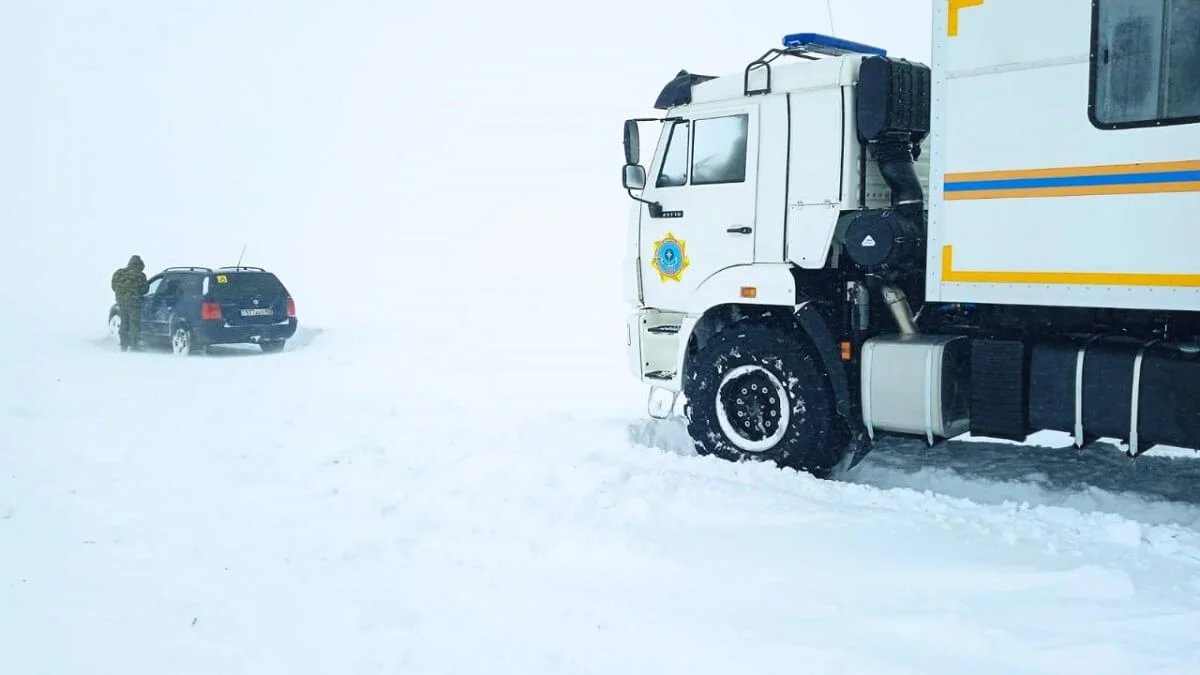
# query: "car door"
{"points": [[704, 180], [187, 304], [157, 310], [154, 283]]}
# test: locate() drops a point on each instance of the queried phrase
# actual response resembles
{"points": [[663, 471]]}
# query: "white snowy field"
{"points": [[400, 501], [449, 469]]}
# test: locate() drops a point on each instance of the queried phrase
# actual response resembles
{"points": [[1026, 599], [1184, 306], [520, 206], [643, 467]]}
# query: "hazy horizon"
{"points": [[184, 131]]}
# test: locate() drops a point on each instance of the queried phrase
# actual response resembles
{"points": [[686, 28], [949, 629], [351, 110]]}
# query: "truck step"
{"points": [[660, 403], [659, 334]]}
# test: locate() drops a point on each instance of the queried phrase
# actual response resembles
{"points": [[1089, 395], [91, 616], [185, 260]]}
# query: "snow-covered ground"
{"points": [[397, 501], [449, 469]]}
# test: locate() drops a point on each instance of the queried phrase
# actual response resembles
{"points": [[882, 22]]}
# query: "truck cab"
{"points": [[753, 168]]}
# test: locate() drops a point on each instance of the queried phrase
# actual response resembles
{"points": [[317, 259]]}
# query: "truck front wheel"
{"points": [[754, 392]]}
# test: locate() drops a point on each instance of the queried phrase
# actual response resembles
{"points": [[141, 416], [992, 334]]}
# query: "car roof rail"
{"points": [[243, 267], [188, 268]]}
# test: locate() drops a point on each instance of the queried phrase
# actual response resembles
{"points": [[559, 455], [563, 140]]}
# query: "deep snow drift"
{"points": [[390, 503]]}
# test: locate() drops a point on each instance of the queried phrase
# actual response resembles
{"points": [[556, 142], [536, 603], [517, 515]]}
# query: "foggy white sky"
{"points": [[363, 129]]}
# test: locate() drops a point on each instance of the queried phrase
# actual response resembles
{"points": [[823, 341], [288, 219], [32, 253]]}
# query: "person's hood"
{"points": [[135, 263]]}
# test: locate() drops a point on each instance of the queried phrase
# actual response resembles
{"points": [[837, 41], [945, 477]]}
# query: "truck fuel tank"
{"points": [[917, 384]]}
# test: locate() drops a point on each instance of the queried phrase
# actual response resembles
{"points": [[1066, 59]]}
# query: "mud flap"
{"points": [[813, 324]]}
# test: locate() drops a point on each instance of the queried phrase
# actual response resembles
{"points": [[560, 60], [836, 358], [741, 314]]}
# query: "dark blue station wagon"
{"points": [[192, 308]]}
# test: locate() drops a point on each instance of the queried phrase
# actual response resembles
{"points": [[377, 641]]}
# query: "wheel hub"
{"points": [[753, 408], [181, 341]]}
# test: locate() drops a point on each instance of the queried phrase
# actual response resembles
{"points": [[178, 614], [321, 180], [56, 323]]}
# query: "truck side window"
{"points": [[674, 171], [1145, 63], [719, 152]]}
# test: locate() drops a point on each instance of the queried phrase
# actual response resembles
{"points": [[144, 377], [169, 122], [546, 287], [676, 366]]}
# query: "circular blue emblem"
{"points": [[670, 258]]}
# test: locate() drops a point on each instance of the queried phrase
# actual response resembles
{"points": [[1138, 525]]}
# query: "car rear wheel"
{"points": [[181, 340], [114, 326]]}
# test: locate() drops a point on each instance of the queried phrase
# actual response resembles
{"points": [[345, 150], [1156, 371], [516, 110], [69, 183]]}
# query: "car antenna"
{"points": [[240, 255]]}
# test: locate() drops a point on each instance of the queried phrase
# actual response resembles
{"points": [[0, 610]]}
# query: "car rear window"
{"points": [[229, 285]]}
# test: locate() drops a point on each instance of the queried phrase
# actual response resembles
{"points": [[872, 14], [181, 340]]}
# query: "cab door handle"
{"points": [[739, 230]]}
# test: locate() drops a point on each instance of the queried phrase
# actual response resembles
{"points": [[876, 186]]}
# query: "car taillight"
{"points": [[291, 308], [210, 310]]}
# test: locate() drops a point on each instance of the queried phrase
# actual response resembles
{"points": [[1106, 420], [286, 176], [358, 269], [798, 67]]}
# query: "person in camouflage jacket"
{"points": [[129, 286]]}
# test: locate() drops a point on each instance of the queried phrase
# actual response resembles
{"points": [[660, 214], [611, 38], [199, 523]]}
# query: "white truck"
{"points": [[835, 244]]}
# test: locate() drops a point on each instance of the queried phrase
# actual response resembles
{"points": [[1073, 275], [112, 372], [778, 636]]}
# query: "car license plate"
{"points": [[266, 311]]}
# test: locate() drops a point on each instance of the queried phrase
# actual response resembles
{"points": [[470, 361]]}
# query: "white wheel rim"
{"points": [[180, 341], [114, 325], [774, 400]]}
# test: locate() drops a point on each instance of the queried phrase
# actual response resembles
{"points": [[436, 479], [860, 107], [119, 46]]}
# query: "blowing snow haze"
{"points": [[448, 469], [379, 137]]}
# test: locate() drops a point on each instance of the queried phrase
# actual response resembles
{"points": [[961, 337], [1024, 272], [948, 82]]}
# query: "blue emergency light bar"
{"points": [[828, 45]]}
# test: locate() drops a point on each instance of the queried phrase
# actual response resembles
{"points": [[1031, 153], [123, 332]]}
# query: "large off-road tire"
{"points": [[754, 392]]}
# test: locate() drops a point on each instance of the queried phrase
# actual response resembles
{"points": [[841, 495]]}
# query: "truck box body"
{"points": [[1064, 171]]}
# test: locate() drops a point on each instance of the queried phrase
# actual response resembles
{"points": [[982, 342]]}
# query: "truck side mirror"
{"points": [[632, 143], [633, 177]]}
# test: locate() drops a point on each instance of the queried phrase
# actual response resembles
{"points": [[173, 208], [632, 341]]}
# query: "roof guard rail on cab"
{"points": [[804, 46]]}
